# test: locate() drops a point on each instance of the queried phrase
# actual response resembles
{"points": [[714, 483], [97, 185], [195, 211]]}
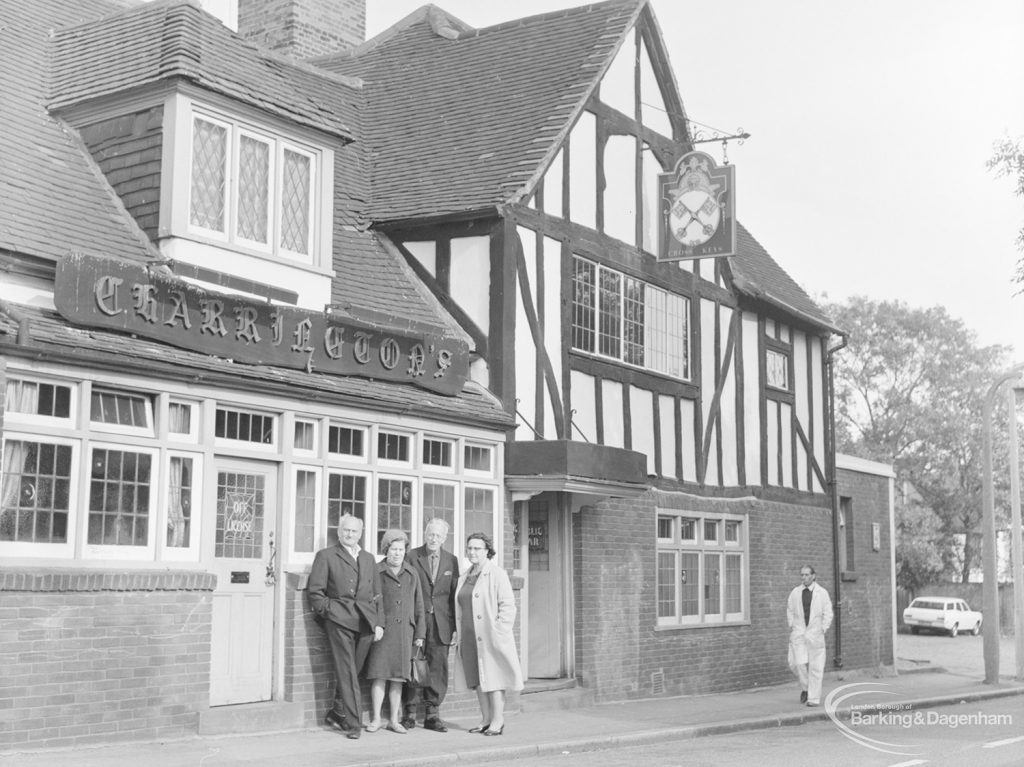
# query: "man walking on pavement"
{"points": [[345, 591], [439, 573], [809, 614]]}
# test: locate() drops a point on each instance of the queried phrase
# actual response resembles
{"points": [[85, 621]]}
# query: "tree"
{"points": [[1008, 160], [909, 390]]}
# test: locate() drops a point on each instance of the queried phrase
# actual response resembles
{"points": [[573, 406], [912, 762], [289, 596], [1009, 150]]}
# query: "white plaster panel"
{"points": [[787, 444], [667, 424], [611, 402], [688, 411], [752, 438], [583, 171], [772, 442], [731, 420], [584, 415], [620, 188], [552, 273], [818, 408], [653, 113], [470, 278], [801, 395], [618, 85], [480, 373], [554, 178], [687, 265], [425, 253], [708, 361], [525, 348], [641, 415], [650, 205]]}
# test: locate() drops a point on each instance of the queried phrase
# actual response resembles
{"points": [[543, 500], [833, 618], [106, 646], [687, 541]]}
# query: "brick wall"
{"points": [[309, 675], [128, 150], [303, 28], [620, 652], [867, 591], [90, 656]]}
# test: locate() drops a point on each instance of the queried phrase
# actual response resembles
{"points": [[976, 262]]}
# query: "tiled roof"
{"points": [[373, 275], [52, 336], [172, 39], [53, 198], [462, 119], [756, 274]]}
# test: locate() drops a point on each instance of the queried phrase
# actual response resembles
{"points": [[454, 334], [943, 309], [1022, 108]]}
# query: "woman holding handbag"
{"points": [[485, 658], [390, 660]]}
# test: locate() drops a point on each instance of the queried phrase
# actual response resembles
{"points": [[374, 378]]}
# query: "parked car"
{"points": [[945, 614]]}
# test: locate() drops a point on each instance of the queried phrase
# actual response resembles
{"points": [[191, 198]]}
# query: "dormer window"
{"points": [[251, 188]]}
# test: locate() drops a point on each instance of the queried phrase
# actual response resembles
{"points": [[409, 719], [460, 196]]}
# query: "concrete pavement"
{"points": [[535, 733]]}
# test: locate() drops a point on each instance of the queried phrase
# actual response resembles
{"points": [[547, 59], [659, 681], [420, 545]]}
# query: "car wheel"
{"points": [[915, 629], [955, 630], [976, 630]]}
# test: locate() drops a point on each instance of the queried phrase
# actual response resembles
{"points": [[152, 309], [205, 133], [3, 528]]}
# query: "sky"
{"points": [[871, 124]]}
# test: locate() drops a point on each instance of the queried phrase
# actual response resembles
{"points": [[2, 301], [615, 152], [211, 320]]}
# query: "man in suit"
{"points": [[439, 573], [809, 614], [344, 590]]}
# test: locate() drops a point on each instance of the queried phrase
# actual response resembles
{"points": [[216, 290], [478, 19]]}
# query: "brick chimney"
{"points": [[303, 28]]}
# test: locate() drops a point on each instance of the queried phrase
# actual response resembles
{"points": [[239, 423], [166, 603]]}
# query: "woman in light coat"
{"points": [[485, 656]]}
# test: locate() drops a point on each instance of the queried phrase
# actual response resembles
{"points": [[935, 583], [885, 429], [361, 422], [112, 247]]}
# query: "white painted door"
{"points": [[243, 544], [545, 589]]}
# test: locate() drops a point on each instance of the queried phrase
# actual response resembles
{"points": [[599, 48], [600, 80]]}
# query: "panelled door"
{"points": [[242, 554]]}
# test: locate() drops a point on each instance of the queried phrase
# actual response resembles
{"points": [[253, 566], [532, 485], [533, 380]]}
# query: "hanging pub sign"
{"points": [[106, 293], [698, 205]]}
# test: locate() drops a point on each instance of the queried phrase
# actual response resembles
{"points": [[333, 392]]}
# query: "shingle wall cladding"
{"points": [[93, 656], [620, 652], [128, 150], [867, 601]]}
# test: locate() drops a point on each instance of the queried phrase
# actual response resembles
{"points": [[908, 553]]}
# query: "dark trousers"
{"points": [[437, 660], [348, 651]]}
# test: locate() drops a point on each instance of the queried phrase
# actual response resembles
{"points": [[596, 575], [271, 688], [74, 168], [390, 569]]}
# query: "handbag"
{"points": [[420, 672]]}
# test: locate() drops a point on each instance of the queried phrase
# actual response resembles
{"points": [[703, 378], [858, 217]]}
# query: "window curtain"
{"points": [[19, 397], [175, 510]]}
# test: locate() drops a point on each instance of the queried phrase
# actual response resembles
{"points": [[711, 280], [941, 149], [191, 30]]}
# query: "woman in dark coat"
{"points": [[404, 627]]}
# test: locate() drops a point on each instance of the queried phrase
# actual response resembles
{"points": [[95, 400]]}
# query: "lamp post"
{"points": [[990, 589]]}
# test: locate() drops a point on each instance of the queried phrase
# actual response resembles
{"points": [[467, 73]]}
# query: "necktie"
{"points": [[433, 567], [807, 605]]}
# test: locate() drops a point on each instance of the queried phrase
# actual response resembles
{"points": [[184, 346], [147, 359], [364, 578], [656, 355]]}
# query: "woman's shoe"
{"points": [[482, 728], [396, 727], [498, 731], [373, 726]]}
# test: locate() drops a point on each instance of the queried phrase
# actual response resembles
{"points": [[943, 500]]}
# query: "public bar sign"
{"points": [[118, 295], [698, 206]]}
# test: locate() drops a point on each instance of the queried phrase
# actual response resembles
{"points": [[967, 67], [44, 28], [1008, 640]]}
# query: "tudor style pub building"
{"points": [[255, 275]]}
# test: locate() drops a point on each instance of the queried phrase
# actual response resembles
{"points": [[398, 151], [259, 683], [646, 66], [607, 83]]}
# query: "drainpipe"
{"points": [[21, 319], [833, 488]]}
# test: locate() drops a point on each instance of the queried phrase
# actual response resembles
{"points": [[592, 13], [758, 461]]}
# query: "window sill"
{"points": [[692, 626], [848, 576]]}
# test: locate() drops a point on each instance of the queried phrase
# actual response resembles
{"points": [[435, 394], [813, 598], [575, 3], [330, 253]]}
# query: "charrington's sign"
{"points": [[105, 293], [698, 206]]}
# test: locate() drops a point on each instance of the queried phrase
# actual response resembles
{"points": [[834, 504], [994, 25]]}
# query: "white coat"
{"points": [[807, 640], [494, 613]]}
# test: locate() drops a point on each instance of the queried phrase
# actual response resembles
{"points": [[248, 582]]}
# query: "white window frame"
{"points": [[497, 516], [188, 553], [721, 549], [348, 457], [106, 551], [148, 398], [411, 442], [453, 444], [784, 357], [192, 436], [319, 512], [302, 451], [458, 519], [374, 506], [64, 550], [371, 494], [15, 417], [657, 303], [319, 228], [489, 472], [265, 447]]}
